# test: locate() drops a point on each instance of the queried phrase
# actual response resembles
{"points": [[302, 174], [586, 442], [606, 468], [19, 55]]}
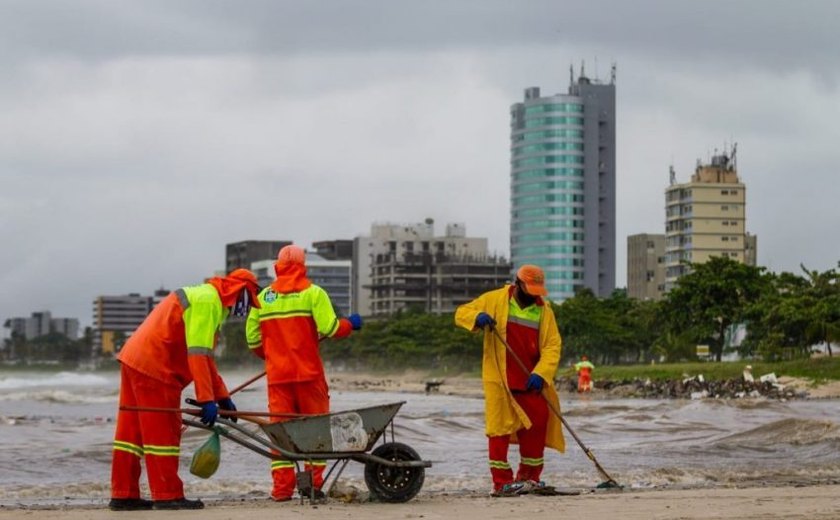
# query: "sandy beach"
{"points": [[809, 502]]}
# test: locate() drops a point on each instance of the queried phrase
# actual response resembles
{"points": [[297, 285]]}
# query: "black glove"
{"points": [[227, 404]]}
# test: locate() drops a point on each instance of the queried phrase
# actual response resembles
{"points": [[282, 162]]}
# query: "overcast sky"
{"points": [[138, 137]]}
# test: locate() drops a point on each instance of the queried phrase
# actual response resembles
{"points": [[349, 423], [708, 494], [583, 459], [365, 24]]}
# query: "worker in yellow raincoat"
{"points": [[515, 410]]}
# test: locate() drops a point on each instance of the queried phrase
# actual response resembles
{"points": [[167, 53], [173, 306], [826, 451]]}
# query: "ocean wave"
{"points": [[799, 432], [59, 379], [60, 397]]}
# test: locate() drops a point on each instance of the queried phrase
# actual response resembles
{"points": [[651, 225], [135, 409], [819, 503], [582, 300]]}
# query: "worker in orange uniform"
{"points": [[285, 331], [172, 348], [515, 410], [584, 370]]}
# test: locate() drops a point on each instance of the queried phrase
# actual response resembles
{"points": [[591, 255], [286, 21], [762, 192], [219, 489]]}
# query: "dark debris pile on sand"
{"points": [[689, 388]]}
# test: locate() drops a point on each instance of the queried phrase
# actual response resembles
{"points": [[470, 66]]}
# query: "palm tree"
{"points": [[823, 296]]}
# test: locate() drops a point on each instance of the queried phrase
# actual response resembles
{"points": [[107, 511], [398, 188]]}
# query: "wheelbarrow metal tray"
{"points": [[350, 431]]}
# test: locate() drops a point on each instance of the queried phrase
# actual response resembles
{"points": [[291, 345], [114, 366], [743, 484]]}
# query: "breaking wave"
{"points": [[59, 379], [60, 397], [798, 432]]}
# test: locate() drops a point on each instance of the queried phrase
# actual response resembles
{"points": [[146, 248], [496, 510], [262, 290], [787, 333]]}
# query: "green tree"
{"points": [[712, 297], [823, 295], [55, 347], [798, 312], [644, 325], [411, 338], [776, 321], [590, 325]]}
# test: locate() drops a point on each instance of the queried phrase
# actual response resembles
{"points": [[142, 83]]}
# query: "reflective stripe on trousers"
{"points": [[156, 436]]}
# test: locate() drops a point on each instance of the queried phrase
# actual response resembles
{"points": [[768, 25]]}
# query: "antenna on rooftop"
{"points": [[612, 74], [571, 74], [734, 154], [672, 175]]}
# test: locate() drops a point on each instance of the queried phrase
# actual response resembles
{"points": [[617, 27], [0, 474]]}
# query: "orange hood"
{"points": [[291, 277], [231, 285]]}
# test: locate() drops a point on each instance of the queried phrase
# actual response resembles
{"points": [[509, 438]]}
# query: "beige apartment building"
{"points": [[706, 217]]}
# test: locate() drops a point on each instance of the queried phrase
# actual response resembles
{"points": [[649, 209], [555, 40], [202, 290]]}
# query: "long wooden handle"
{"points": [[555, 409], [246, 383], [223, 413]]}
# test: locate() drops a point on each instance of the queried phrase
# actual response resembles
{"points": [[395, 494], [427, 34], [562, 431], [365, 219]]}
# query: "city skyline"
{"points": [[128, 162]]}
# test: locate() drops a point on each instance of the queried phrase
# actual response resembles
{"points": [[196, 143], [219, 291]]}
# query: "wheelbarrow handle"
{"points": [[223, 413]]}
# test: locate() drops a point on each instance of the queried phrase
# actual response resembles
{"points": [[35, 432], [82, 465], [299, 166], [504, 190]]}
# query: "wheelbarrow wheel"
{"points": [[390, 484]]}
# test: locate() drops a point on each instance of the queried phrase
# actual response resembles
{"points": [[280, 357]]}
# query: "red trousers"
{"points": [[531, 444], [306, 397], [155, 436]]}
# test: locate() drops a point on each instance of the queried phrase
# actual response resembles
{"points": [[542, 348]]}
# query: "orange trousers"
{"points": [[155, 436], [531, 444], [584, 382], [306, 397]]}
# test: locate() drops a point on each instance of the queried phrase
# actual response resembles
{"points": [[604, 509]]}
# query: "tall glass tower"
{"points": [[563, 186]]}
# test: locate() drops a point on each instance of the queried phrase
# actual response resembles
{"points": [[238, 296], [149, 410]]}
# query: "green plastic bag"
{"points": [[206, 458]]}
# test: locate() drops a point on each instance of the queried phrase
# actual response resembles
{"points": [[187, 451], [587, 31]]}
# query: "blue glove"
{"points": [[209, 412], [483, 320], [355, 321], [227, 404], [535, 383]]}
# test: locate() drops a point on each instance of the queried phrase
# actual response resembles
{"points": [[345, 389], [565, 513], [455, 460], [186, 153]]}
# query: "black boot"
{"points": [[179, 503], [317, 494], [129, 504]]}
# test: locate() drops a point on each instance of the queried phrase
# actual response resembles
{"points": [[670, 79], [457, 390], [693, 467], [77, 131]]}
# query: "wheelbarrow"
{"points": [[394, 472]]}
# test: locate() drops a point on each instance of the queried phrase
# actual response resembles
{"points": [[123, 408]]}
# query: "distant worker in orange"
{"points": [[172, 348], [584, 370], [285, 332]]}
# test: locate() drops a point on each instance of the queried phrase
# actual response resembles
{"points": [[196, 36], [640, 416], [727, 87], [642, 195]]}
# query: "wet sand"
{"points": [[808, 502]]}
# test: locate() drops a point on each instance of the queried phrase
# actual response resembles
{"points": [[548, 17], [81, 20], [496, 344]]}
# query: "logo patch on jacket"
{"points": [[270, 296]]}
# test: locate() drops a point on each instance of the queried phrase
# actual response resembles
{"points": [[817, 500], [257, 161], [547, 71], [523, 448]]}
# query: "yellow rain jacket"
{"points": [[502, 414]]}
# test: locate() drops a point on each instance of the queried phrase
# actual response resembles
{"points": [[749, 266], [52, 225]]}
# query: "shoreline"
{"points": [[417, 381], [765, 502]]}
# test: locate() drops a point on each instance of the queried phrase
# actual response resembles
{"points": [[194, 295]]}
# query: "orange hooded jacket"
{"points": [[175, 343], [285, 329]]}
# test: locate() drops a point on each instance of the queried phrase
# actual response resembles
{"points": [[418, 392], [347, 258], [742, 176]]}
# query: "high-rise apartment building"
{"points": [[243, 254], [42, 323], [563, 186], [115, 316], [646, 266], [706, 217], [406, 266], [334, 249]]}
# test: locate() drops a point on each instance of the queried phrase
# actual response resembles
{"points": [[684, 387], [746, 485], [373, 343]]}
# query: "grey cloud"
{"points": [[761, 33], [139, 137]]}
